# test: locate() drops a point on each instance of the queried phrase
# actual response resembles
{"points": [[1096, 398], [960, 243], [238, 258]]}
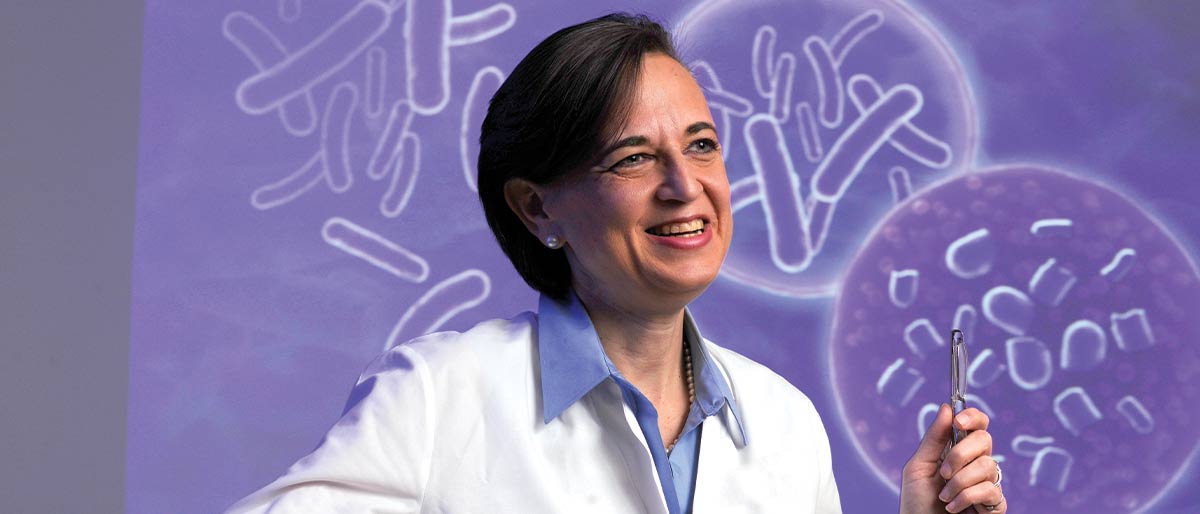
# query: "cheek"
{"points": [[718, 189], [601, 220], [723, 206], [617, 211]]}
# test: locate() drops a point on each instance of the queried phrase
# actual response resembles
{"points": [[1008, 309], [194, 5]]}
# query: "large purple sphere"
{"points": [[825, 109], [1081, 319]]}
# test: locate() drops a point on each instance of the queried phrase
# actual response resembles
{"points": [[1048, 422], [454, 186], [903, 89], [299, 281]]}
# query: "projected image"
{"points": [[307, 198], [829, 111], [1075, 307]]}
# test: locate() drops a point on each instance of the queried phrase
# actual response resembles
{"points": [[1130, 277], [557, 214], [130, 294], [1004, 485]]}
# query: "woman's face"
{"points": [[649, 222]]}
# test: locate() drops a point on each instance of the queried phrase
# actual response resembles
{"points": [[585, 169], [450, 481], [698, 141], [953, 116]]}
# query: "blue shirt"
{"points": [[573, 363]]}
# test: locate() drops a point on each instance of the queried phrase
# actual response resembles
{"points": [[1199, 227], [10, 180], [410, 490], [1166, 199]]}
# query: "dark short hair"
{"points": [[549, 118]]}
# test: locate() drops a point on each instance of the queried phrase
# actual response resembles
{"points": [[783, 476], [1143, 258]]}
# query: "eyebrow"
{"points": [[629, 141], [699, 126], [641, 140]]}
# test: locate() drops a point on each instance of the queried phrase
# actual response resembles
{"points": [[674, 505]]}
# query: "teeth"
{"points": [[678, 228]]}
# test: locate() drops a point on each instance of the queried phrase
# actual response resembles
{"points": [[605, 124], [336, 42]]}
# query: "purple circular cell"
{"points": [[827, 110], [1084, 349]]}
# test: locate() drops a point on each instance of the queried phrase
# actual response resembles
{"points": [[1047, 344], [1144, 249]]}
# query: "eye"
{"points": [[705, 145], [629, 162]]}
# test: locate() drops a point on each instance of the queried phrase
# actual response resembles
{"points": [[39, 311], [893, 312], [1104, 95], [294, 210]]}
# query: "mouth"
{"points": [[685, 229]]}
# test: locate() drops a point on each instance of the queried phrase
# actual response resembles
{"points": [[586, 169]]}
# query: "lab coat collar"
{"points": [[573, 362]]}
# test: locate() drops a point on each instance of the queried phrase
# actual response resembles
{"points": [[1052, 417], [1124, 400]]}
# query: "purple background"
{"points": [[249, 324]]}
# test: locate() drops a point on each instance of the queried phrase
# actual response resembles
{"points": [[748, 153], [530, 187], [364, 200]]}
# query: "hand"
{"points": [[966, 478]]}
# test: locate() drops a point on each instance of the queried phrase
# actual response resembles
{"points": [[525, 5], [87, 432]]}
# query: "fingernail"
{"points": [[944, 495], [962, 419], [945, 471]]}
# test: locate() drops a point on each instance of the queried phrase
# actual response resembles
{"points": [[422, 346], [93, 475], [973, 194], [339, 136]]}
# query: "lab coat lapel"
{"points": [[717, 463], [618, 420]]}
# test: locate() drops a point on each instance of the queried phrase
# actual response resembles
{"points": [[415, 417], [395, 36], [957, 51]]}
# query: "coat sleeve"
{"points": [[828, 499], [376, 458]]}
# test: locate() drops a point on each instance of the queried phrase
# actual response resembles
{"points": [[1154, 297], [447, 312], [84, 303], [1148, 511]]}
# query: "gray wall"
{"points": [[68, 155]]}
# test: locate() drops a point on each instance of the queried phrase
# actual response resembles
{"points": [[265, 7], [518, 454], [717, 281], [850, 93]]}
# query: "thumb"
{"points": [[936, 437]]}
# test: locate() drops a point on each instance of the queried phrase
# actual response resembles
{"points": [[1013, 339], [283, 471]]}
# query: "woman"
{"points": [[601, 175]]}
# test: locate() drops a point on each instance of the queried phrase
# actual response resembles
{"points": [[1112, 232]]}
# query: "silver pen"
{"points": [[958, 380]]}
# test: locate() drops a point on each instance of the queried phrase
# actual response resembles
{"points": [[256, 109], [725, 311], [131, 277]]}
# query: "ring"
{"points": [[991, 508], [999, 477]]}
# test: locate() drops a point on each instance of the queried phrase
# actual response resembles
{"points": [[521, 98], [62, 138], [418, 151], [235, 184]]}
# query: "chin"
{"points": [[691, 283]]}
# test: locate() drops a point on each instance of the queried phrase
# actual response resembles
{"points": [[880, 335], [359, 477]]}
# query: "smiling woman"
{"points": [[657, 223], [557, 115], [601, 176]]}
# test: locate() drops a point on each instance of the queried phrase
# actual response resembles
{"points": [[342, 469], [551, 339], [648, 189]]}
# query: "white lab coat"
{"points": [[452, 423]]}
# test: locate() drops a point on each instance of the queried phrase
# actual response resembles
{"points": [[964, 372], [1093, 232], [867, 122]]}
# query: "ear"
{"points": [[526, 201]]}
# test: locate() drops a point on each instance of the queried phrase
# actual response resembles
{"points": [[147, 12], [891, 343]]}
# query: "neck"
{"points": [[646, 347]]}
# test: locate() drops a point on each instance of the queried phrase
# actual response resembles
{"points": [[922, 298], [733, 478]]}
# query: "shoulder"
{"points": [[486, 342], [440, 375]]}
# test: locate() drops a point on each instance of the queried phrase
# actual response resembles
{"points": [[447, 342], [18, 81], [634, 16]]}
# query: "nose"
{"points": [[680, 182]]}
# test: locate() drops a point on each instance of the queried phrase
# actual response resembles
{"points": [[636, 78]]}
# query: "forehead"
{"points": [[666, 97]]}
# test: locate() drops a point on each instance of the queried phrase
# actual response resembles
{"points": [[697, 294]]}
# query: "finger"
{"points": [[936, 437], [998, 507], [979, 495], [971, 419], [975, 445], [981, 471]]}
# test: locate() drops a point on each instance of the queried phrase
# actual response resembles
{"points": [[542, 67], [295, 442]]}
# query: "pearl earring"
{"points": [[553, 242]]}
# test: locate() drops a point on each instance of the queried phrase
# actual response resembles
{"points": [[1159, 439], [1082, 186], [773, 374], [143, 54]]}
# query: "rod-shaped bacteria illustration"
{"points": [[388, 146], [404, 177], [762, 59], [284, 190], [481, 25], [858, 143], [908, 139], [787, 223], [298, 115], [310, 65], [900, 183], [375, 81], [844, 41], [831, 98], [810, 135], [335, 135], [430, 29], [374, 249], [440, 304], [784, 74], [427, 54], [485, 84]]}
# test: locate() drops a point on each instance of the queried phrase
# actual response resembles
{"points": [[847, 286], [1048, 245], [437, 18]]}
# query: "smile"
{"points": [[687, 229]]}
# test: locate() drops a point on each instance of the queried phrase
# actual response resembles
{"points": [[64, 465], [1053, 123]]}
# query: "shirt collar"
{"points": [[573, 362]]}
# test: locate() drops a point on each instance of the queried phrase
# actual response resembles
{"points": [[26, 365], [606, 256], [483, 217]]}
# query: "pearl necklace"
{"points": [[687, 365]]}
